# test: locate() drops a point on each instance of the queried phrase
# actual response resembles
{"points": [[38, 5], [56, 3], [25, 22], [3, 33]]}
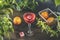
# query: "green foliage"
{"points": [[6, 8], [58, 17], [31, 4], [6, 4], [5, 25], [1, 38], [58, 23], [48, 29], [57, 2], [44, 0]]}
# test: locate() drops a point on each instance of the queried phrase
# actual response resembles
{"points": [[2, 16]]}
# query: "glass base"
{"points": [[30, 33]]}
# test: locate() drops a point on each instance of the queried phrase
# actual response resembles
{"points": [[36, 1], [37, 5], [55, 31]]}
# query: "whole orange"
{"points": [[44, 14], [17, 20], [50, 20]]}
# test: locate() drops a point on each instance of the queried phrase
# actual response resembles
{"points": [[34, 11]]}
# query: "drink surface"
{"points": [[29, 17]]}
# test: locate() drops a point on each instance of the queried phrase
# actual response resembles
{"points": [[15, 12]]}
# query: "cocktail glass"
{"points": [[29, 18]]}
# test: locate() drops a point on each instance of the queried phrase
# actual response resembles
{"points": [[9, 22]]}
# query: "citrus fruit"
{"points": [[50, 20], [17, 20], [44, 14]]}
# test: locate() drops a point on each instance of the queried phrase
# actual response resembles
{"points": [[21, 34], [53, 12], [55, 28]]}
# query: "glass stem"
{"points": [[29, 27]]}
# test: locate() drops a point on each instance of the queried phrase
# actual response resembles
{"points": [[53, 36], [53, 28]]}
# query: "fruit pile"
{"points": [[49, 19], [49, 22]]}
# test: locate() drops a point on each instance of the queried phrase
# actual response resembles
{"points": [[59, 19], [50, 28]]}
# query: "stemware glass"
{"points": [[29, 18]]}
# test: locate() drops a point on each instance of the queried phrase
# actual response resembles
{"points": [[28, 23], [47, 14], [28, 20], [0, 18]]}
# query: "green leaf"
{"points": [[7, 34], [42, 0], [57, 2], [5, 28], [18, 8], [46, 0], [13, 1], [0, 32], [10, 10], [58, 17], [8, 17], [51, 35], [33, 1], [37, 3], [1, 4], [46, 28], [1, 38]]}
